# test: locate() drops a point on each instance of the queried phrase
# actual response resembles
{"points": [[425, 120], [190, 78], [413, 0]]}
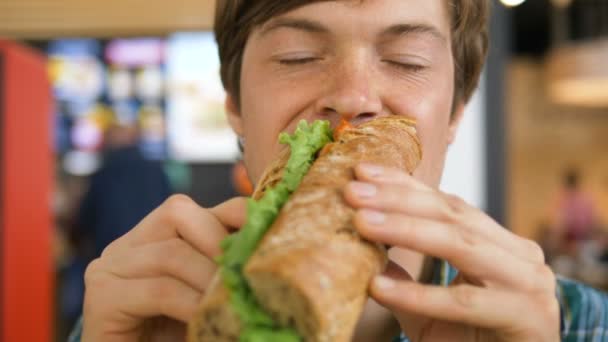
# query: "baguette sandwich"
{"points": [[298, 270]]}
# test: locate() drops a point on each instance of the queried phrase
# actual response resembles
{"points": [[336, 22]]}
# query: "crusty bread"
{"points": [[215, 320], [272, 175], [311, 269]]}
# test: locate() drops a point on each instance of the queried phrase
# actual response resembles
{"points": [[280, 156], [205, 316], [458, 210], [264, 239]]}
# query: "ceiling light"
{"points": [[577, 74], [512, 3]]}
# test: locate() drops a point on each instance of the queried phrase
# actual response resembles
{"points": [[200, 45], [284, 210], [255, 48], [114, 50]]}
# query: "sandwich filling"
{"points": [[258, 325]]}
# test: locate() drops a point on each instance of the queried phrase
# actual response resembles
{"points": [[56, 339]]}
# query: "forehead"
{"points": [[364, 14]]}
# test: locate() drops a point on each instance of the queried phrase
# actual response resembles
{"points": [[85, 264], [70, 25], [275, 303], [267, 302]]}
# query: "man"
{"points": [[287, 60], [122, 191]]}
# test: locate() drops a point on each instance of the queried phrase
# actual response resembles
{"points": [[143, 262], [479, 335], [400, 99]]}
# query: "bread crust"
{"points": [[312, 269]]}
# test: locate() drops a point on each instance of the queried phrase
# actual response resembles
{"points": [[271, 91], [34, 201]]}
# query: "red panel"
{"points": [[26, 194]]}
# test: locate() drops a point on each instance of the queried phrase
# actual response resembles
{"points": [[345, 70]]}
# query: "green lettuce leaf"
{"points": [[304, 143]]}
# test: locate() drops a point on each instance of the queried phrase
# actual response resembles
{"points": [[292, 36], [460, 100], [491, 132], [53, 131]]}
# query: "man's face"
{"points": [[354, 60]]}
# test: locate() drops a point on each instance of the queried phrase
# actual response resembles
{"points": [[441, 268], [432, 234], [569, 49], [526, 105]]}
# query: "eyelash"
{"points": [[298, 61], [406, 67], [403, 66]]}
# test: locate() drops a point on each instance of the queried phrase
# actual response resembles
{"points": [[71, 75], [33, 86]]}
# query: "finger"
{"points": [[180, 217], [488, 308], [174, 258], [440, 207], [232, 213], [149, 297], [381, 175], [398, 198], [466, 251], [493, 231]]}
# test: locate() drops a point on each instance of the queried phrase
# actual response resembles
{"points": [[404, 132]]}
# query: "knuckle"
{"points": [[175, 205], [99, 295], [545, 272], [464, 296], [542, 280], [549, 306], [455, 208], [92, 274], [547, 277], [468, 242], [536, 252], [109, 249], [178, 201], [390, 193]]}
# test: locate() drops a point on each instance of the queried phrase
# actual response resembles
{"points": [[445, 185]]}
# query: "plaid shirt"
{"points": [[583, 310]]}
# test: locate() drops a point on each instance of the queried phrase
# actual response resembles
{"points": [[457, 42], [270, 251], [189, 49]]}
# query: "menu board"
{"points": [[169, 88], [77, 76], [98, 84], [136, 89]]}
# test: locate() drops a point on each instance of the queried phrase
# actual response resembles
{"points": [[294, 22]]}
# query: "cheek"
{"points": [[434, 144], [431, 107], [269, 109], [258, 128]]}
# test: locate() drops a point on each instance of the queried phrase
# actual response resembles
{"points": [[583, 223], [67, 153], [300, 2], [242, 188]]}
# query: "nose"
{"points": [[350, 92]]}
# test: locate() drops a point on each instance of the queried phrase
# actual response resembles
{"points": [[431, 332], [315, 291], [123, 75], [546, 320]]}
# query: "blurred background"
{"points": [[107, 108]]}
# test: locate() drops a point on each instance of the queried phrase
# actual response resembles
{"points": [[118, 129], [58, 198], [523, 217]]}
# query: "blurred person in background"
{"points": [[577, 242], [123, 191], [575, 217], [549, 240]]}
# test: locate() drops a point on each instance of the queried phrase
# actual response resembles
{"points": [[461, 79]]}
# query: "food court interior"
{"points": [[107, 105]]}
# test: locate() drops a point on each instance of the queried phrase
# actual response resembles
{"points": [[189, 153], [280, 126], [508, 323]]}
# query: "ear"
{"points": [[235, 119], [455, 121]]}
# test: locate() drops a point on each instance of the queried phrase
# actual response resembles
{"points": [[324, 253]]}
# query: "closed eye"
{"points": [[298, 61], [406, 66]]}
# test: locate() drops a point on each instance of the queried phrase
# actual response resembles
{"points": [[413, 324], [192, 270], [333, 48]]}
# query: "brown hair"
{"points": [[236, 19]]}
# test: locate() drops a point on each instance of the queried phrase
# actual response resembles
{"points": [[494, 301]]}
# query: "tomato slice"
{"points": [[342, 126]]}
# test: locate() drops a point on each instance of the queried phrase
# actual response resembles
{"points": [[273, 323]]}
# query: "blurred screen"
{"points": [[197, 126], [136, 89], [169, 88], [77, 75], [97, 84]]}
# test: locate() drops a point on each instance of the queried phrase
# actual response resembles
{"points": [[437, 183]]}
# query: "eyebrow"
{"points": [[311, 26], [295, 23], [409, 29]]}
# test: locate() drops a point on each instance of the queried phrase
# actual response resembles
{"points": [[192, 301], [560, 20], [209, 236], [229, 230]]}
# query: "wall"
{"points": [[465, 169], [543, 140], [25, 194]]}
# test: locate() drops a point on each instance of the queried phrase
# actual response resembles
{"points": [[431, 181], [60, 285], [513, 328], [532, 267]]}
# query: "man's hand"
{"points": [[151, 279], [504, 291]]}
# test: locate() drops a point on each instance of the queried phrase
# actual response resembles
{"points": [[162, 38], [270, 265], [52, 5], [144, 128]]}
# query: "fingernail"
{"points": [[363, 190], [383, 282], [371, 170], [373, 217]]}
